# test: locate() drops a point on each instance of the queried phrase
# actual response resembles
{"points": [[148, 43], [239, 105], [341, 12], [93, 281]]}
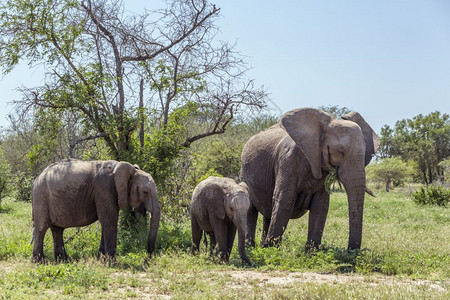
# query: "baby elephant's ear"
{"points": [[215, 197], [122, 174], [244, 186]]}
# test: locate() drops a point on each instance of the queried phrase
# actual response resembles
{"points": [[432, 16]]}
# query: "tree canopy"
{"points": [[109, 72], [388, 170], [422, 139]]}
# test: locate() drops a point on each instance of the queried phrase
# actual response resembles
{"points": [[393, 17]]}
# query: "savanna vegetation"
{"points": [[160, 90]]}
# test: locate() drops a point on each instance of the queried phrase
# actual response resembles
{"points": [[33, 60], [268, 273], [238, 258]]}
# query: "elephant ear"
{"points": [[244, 186], [214, 197], [306, 126], [370, 137], [122, 174]]}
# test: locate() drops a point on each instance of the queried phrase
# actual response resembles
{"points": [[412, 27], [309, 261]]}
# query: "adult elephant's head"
{"points": [[346, 144], [136, 188]]}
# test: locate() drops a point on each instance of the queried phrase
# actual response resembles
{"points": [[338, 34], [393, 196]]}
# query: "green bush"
{"points": [[432, 195], [24, 186]]}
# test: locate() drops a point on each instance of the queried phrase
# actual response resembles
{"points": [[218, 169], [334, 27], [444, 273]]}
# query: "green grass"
{"points": [[405, 255]]}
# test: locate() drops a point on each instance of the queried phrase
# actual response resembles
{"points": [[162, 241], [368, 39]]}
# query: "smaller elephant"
{"points": [[219, 206], [75, 193]]}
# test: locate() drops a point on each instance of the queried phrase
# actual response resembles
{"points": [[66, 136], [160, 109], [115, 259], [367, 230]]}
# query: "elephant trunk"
{"points": [[154, 225], [242, 229], [355, 211], [355, 186]]}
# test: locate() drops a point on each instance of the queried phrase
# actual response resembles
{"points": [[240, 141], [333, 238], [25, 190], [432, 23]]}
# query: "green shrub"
{"points": [[132, 233], [173, 236], [432, 195], [24, 186]]}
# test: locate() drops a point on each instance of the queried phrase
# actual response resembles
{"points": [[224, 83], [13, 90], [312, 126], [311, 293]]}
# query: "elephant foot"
{"points": [[223, 257], [107, 259], [246, 260], [61, 256], [146, 262], [194, 250], [63, 259], [271, 242], [311, 246], [38, 259]]}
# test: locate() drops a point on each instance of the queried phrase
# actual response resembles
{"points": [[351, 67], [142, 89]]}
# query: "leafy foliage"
{"points": [[335, 110], [24, 187], [5, 176], [95, 57], [432, 195], [422, 139], [445, 165], [132, 233], [389, 169], [330, 179]]}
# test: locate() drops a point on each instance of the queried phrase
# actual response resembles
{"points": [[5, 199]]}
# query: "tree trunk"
{"points": [[141, 115], [388, 185], [425, 176], [430, 175]]}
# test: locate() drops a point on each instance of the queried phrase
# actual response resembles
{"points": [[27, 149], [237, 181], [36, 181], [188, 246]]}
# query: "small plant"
{"points": [[432, 195]]}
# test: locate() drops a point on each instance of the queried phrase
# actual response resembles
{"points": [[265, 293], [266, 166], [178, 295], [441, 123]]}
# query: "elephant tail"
{"points": [[32, 238]]}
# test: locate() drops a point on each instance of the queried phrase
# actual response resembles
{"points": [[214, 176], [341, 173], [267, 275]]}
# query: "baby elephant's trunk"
{"points": [[154, 225], [242, 229]]}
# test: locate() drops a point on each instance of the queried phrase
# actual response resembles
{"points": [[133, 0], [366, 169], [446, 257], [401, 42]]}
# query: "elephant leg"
{"points": [[58, 244], [284, 197], [212, 242], [109, 234], [266, 223], [101, 248], [220, 229], [38, 240], [196, 236], [252, 218], [230, 237], [317, 217]]}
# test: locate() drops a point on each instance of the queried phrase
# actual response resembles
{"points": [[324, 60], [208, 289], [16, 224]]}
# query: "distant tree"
{"points": [[5, 175], [423, 139], [389, 170], [386, 142], [445, 165], [335, 110]]}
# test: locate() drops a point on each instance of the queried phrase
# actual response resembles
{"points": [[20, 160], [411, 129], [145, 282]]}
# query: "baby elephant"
{"points": [[219, 206]]}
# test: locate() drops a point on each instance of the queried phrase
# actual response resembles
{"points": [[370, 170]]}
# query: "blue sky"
{"points": [[388, 60]]}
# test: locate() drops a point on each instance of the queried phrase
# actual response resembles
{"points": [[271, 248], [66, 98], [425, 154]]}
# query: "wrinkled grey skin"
{"points": [[219, 206], [286, 165], [73, 193]]}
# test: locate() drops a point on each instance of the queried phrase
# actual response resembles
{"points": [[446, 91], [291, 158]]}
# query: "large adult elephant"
{"points": [[74, 193], [286, 165]]}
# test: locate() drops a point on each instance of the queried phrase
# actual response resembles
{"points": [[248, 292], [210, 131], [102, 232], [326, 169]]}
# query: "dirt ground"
{"points": [[284, 278]]}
